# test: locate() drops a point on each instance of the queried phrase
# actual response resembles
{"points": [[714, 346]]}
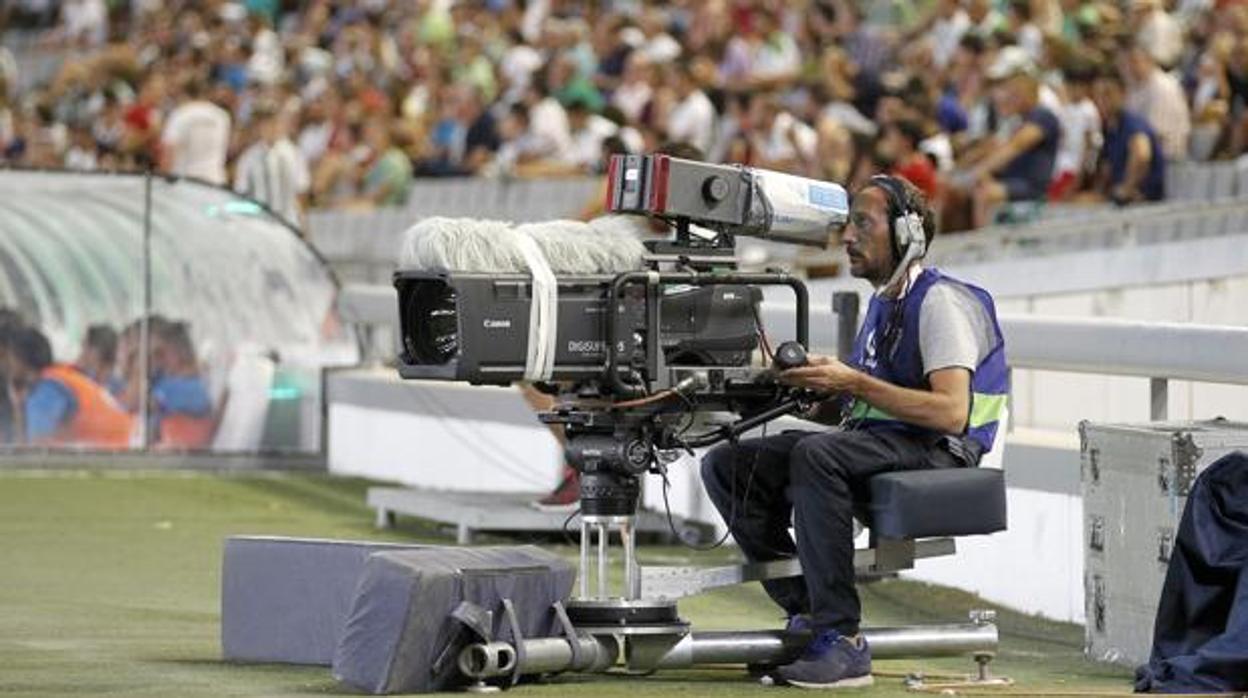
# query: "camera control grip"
{"points": [[789, 355]]}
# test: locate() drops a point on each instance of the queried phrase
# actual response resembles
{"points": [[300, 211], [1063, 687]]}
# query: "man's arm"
{"points": [[1028, 136], [944, 408], [1139, 155]]}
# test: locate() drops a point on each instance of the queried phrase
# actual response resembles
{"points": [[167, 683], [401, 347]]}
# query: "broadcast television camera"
{"points": [[636, 354]]}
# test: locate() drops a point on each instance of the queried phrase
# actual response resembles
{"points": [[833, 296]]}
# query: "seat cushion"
{"points": [[937, 502]]}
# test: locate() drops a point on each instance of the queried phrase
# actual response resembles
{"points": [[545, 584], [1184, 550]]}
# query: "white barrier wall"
{"points": [[445, 436]]}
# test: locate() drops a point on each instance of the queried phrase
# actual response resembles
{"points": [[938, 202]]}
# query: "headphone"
{"points": [[909, 241]]}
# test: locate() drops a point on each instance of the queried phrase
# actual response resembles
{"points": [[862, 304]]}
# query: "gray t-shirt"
{"points": [[954, 328]]}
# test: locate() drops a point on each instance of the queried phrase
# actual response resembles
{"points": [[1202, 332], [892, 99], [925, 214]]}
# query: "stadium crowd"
{"points": [[980, 103]]}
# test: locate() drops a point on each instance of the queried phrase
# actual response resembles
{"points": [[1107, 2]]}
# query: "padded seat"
{"points": [[937, 502]]}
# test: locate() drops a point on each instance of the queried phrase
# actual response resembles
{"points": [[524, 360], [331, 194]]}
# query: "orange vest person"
{"points": [[98, 419], [61, 405]]}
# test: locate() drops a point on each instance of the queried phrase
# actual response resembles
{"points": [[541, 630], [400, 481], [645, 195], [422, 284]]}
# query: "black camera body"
{"points": [[475, 327]]}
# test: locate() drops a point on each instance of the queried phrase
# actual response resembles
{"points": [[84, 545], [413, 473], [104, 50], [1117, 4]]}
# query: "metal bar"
{"points": [[584, 571], [678, 651], [743, 425], [602, 560], [1159, 398], [679, 582], [540, 656], [632, 575], [777, 646], [1121, 347], [145, 328]]}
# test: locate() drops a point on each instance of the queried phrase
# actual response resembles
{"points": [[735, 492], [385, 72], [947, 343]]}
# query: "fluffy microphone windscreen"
{"points": [[462, 244], [574, 247], [607, 245]]}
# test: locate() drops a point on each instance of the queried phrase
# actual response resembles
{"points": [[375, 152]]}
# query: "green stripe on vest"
{"points": [[985, 409], [863, 410]]}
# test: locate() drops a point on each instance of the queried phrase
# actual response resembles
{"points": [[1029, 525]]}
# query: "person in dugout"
{"points": [[97, 359], [59, 405], [182, 414]]}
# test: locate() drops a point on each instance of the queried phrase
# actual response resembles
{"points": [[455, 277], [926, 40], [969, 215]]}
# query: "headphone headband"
{"points": [[906, 224], [894, 193]]}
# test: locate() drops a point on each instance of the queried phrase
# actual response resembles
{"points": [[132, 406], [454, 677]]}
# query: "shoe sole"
{"points": [[856, 682]]}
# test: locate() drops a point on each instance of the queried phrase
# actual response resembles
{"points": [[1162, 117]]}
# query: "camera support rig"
{"points": [[624, 410], [613, 447]]}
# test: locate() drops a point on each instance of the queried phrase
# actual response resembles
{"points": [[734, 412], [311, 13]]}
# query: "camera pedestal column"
{"points": [[609, 505]]}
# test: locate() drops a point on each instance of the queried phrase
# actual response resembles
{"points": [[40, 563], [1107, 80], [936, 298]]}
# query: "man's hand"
{"points": [[824, 374]]}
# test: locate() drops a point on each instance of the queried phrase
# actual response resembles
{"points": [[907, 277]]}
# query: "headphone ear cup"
{"points": [[914, 231], [901, 236]]}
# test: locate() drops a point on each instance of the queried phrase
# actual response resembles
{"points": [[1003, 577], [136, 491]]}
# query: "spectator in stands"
{"points": [[59, 405], [1081, 133], [589, 131], [635, 88], [97, 359], [1158, 97], [943, 29], [83, 23], [1133, 167], [272, 170], [692, 120], [387, 174], [481, 141], [779, 140], [519, 145], [1019, 23], [1019, 167], [899, 144], [986, 21], [1211, 99], [196, 138], [1157, 32], [551, 135], [776, 60], [141, 140]]}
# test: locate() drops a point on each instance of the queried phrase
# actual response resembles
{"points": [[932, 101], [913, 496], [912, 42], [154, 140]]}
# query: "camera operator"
{"points": [[925, 388]]}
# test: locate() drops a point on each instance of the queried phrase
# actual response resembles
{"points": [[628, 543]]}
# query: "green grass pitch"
{"points": [[110, 585]]}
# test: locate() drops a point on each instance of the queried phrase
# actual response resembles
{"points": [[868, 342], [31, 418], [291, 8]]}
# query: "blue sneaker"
{"points": [[795, 625], [831, 661], [799, 623]]}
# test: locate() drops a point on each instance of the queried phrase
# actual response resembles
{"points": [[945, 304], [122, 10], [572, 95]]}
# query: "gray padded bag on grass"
{"points": [[286, 599], [400, 637]]}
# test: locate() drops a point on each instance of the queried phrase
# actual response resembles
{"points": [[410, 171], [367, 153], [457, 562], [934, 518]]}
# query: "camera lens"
{"points": [[430, 322]]}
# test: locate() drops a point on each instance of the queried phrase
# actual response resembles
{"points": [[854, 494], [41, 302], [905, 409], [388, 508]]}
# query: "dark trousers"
{"points": [[814, 478]]}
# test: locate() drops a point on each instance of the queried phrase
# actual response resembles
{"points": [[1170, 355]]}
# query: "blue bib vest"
{"points": [[990, 383]]}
